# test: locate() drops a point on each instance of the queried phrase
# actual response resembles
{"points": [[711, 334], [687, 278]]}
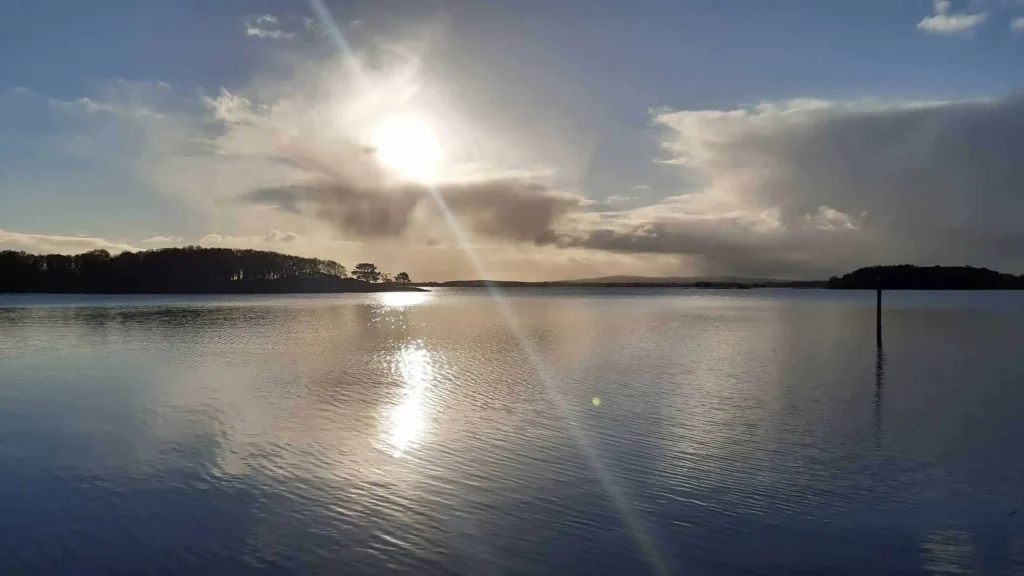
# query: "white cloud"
{"points": [[278, 236], [944, 22], [90, 106], [1017, 24], [258, 32], [50, 244], [164, 240], [266, 26], [639, 187], [617, 199], [831, 219], [272, 237]]}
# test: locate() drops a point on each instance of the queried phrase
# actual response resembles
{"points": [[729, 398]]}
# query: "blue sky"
{"points": [[589, 99]]}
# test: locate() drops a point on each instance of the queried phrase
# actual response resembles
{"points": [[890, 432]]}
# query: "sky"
{"points": [[530, 139]]}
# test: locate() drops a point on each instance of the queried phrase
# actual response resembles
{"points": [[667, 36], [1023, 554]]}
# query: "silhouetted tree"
{"points": [[386, 278], [366, 272], [403, 278]]}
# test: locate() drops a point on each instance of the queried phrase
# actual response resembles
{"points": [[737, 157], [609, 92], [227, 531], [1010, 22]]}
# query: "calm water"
{"points": [[684, 432]]}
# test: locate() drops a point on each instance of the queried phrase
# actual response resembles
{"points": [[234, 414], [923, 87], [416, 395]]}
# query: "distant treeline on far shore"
{"points": [[682, 283], [903, 277], [189, 270], [196, 270]]}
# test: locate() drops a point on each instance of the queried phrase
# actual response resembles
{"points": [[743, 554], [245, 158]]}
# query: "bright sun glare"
{"points": [[406, 144]]}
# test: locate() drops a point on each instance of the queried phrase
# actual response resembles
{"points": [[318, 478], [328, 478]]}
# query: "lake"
{"points": [[571, 431]]}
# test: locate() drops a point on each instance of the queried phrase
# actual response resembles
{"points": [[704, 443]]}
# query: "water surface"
{"points": [[566, 432]]}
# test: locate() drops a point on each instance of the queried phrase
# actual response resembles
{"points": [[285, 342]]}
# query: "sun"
{"points": [[406, 145]]}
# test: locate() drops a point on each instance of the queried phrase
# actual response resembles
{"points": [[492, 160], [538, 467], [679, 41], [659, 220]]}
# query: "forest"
{"points": [[189, 270]]}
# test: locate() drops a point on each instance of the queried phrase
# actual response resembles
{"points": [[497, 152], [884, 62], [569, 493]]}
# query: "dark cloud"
{"points": [[509, 209], [849, 184], [944, 167], [368, 213], [722, 248]]}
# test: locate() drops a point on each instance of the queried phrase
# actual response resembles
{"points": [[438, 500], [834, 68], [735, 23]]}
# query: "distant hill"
{"points": [[628, 282], [686, 280], [907, 277], [903, 277]]}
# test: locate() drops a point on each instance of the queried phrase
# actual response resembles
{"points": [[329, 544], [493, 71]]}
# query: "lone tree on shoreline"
{"points": [[366, 272], [403, 278]]}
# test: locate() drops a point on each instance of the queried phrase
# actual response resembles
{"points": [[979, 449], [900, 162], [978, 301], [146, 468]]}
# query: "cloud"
{"points": [[640, 187], [502, 209], [617, 199], [331, 174], [808, 188], [89, 106], [831, 219], [47, 244], [300, 146], [945, 23], [1017, 24], [278, 236], [164, 240], [274, 236], [803, 188], [266, 26]]}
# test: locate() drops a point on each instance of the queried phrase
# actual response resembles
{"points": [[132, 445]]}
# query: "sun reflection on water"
{"points": [[403, 299], [406, 421]]}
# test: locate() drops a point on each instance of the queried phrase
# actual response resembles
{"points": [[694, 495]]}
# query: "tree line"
{"points": [[191, 269]]}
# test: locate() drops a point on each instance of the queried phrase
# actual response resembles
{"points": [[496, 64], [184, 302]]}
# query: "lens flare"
{"points": [[406, 426], [406, 145]]}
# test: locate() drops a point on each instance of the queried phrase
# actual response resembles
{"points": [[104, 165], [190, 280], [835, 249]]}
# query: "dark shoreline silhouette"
{"points": [[189, 270], [196, 270], [902, 277], [584, 284]]}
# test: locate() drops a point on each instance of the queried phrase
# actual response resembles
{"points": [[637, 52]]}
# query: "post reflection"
{"points": [[405, 421], [879, 385]]}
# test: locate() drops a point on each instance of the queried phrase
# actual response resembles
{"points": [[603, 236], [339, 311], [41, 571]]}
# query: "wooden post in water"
{"points": [[878, 312]]}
